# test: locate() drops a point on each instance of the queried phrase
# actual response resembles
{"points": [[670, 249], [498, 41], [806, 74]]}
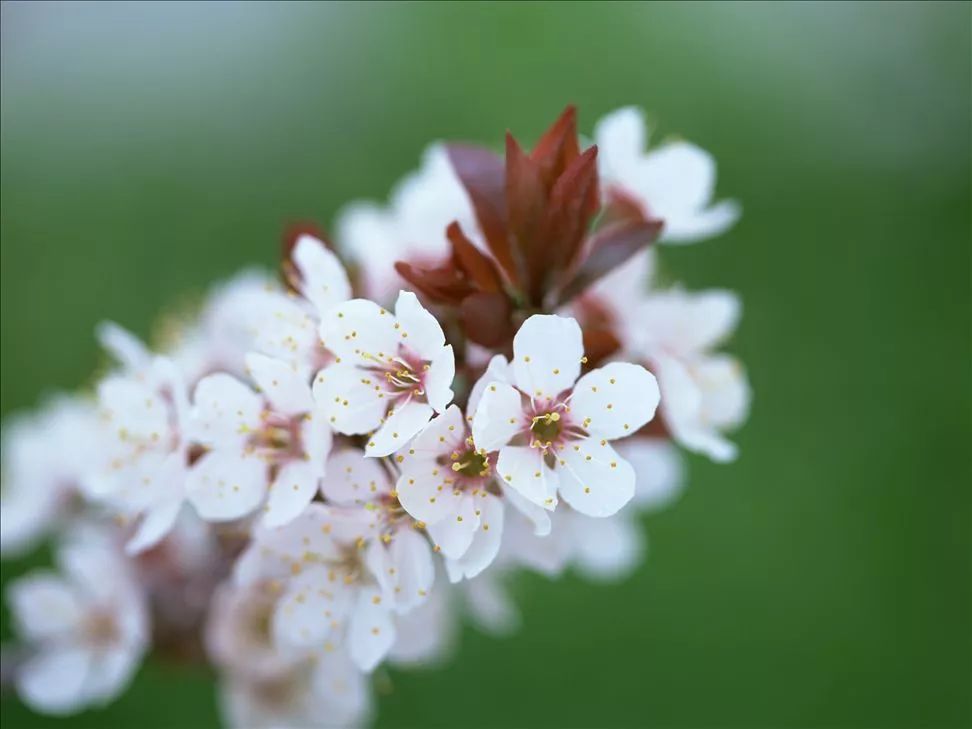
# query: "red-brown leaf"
{"points": [[442, 285], [482, 173], [478, 267], [486, 319], [573, 202], [609, 249], [557, 147]]}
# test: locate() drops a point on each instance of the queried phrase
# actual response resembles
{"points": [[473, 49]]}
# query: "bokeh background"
{"points": [[823, 580]]}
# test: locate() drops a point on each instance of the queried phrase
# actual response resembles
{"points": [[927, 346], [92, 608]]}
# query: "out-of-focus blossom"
{"points": [[411, 227], [323, 692], [144, 409], [674, 182], [703, 393], [87, 628], [47, 456]]}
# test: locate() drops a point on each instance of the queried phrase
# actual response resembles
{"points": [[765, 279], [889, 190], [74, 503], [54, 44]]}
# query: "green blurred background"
{"points": [[823, 580]]}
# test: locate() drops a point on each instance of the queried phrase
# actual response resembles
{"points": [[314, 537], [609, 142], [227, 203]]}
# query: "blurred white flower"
{"points": [[330, 591], [392, 371], [324, 692], [38, 490], [674, 182], [410, 228], [87, 629], [143, 408], [552, 429], [703, 393]]}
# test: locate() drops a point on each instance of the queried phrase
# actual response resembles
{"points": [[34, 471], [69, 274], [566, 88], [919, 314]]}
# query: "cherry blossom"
{"points": [[87, 628], [674, 181], [392, 373], [553, 430]]}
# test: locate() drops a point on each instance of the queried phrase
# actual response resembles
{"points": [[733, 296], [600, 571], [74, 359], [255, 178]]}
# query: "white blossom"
{"points": [[553, 430], [412, 226], [87, 629], [703, 393], [674, 182], [393, 371], [268, 446], [38, 491]]}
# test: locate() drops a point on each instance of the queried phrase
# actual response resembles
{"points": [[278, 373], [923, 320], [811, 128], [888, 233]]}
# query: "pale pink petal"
{"points": [[291, 492], [360, 332], [44, 606], [439, 377], [454, 533], [372, 631], [353, 478], [53, 681], [324, 281], [485, 544]]}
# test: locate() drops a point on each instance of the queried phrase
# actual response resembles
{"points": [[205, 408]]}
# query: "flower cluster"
{"points": [[322, 471]]}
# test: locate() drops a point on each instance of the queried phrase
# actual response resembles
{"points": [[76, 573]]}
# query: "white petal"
{"points": [[342, 691], [291, 492], [223, 486], [703, 224], [155, 525], [281, 383], [424, 492], [499, 416], [311, 608], [44, 606], [360, 332], [135, 409], [325, 282], [620, 138], [399, 428], [683, 323], [372, 632], [316, 438], [111, 671], [53, 682], [485, 544], [659, 473], [347, 397], [124, 346], [726, 394], [614, 401], [414, 571], [681, 396], [594, 479], [522, 469], [547, 352], [354, 479], [454, 533], [676, 179], [498, 370], [439, 377], [443, 434], [539, 517], [420, 331], [609, 549], [490, 606], [225, 410]]}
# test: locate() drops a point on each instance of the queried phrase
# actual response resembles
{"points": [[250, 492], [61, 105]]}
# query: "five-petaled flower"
{"points": [[393, 371], [553, 431]]}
